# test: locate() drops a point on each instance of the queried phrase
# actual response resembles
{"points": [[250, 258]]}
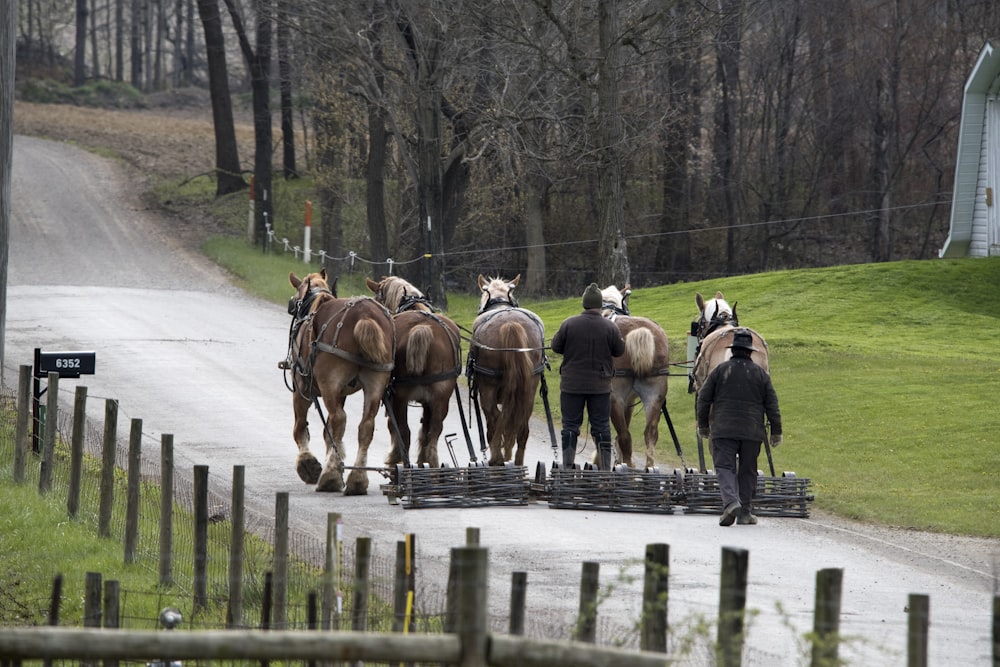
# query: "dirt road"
{"points": [[192, 356]]}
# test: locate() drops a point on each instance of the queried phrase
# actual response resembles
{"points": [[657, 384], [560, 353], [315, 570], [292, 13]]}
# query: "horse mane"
{"points": [[394, 290]]}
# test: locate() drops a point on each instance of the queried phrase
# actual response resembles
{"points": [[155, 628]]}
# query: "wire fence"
{"points": [[308, 552]]}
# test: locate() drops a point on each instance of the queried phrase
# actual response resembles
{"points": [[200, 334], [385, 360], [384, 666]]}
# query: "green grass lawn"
{"points": [[886, 373]]}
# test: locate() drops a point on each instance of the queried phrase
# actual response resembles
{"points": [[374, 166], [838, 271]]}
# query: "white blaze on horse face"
{"points": [[611, 295], [716, 308]]}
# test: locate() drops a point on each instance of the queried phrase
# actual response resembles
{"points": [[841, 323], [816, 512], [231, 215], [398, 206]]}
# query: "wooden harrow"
{"points": [[475, 486], [787, 495], [619, 490]]}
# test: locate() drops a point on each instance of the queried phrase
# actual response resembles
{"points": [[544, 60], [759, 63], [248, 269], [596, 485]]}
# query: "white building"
{"points": [[975, 209]]}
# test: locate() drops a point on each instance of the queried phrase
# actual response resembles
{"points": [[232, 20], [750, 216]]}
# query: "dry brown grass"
{"points": [[159, 143]]}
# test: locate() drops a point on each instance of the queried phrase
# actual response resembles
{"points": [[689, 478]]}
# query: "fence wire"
{"points": [[687, 645]]}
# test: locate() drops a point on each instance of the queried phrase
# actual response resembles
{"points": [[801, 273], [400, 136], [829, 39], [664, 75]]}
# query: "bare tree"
{"points": [[285, 87], [227, 160], [80, 47], [612, 266], [259, 64]]}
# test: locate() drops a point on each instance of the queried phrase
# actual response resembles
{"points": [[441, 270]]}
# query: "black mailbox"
{"points": [[67, 364]]}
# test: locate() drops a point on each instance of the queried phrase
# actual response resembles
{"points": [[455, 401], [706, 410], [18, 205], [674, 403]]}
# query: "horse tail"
{"points": [[418, 347], [517, 370], [640, 348], [372, 341]]}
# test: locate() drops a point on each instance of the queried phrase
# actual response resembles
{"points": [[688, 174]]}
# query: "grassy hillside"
{"points": [[886, 373]]}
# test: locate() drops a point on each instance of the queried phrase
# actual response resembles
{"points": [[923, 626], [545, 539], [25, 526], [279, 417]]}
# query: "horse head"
{"points": [[714, 313], [308, 291], [615, 301], [497, 291]]}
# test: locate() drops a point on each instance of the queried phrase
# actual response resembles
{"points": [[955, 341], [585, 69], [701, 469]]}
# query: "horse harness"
{"points": [[473, 368], [304, 368], [410, 303], [490, 310]]}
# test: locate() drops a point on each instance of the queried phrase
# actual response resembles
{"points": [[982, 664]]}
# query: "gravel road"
{"points": [[180, 348]]}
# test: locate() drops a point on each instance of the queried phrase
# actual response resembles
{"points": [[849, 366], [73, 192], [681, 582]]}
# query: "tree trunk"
{"points": [[723, 191], [119, 40], [227, 160], [135, 44], [260, 69], [612, 265], [285, 87], [326, 129], [259, 64], [535, 205], [95, 60], [80, 47]]}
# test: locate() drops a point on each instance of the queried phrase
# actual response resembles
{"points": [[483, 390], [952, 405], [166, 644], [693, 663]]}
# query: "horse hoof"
{"points": [[330, 484], [309, 469], [357, 484]]}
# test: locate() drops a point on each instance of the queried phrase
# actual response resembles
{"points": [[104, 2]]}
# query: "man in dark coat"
{"points": [[736, 397], [587, 342]]}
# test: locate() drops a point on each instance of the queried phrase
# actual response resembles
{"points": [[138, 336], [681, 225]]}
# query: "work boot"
{"points": [[746, 518], [569, 449], [729, 514], [604, 455]]}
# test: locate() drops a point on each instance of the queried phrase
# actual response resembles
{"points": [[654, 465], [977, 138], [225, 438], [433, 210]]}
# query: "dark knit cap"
{"points": [[592, 296]]}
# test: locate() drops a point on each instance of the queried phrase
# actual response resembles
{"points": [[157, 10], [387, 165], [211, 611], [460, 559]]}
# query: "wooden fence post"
{"points": [[362, 565], [200, 579], [471, 619], [654, 599], [826, 622], [234, 609], [166, 509], [132, 491], [76, 452], [732, 606], [91, 605], [55, 600], [916, 636], [403, 586], [332, 602], [586, 623], [280, 565], [518, 596], [996, 631], [109, 448], [49, 441], [112, 611], [22, 433]]}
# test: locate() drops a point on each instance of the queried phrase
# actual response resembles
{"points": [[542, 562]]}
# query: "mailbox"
{"points": [[67, 364]]}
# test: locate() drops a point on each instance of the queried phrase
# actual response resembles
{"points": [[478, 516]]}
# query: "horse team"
{"points": [[396, 349]]}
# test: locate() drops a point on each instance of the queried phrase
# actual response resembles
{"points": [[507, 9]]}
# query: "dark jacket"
{"points": [[737, 394], [587, 342]]}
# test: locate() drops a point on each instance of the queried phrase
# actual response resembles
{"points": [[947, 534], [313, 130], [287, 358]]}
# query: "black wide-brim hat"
{"points": [[744, 340]]}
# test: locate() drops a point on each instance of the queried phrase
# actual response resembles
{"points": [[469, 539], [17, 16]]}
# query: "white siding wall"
{"points": [[991, 139], [979, 243]]}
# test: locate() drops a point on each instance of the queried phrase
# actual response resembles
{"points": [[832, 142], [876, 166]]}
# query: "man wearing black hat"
{"points": [[587, 343], [736, 397]]}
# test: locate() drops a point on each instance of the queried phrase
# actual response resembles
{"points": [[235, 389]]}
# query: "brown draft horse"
{"points": [[428, 361], [716, 323], [641, 373], [504, 368], [336, 347]]}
